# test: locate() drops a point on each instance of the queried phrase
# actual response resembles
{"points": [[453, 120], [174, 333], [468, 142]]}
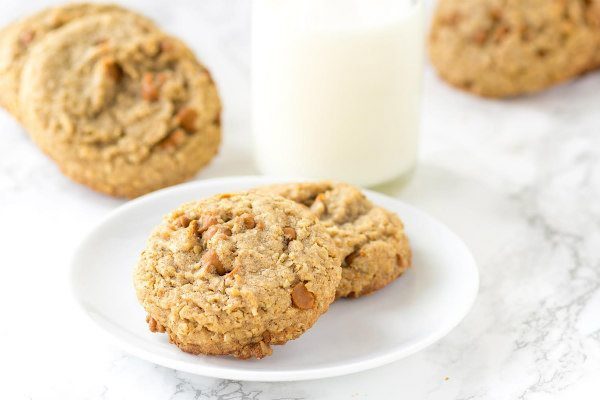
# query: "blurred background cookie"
{"points": [[501, 48], [120, 107], [18, 38]]}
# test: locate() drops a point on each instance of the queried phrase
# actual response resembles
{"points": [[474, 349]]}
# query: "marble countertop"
{"points": [[519, 180]]}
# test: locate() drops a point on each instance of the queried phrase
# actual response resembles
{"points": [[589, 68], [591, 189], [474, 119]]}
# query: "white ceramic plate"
{"points": [[354, 335]]}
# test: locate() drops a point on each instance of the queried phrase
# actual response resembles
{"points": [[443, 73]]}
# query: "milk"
{"points": [[336, 88]]}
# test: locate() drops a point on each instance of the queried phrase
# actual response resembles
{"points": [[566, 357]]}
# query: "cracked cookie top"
{"points": [[372, 242], [234, 273], [17, 39], [119, 106]]}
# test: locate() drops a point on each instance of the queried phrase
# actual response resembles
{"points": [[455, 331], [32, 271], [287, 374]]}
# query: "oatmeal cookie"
{"points": [[501, 48], [18, 38], [120, 107], [235, 273], [371, 239]]}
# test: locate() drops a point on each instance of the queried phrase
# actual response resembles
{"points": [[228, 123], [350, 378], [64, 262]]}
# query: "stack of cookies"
{"points": [[236, 273], [119, 105]]}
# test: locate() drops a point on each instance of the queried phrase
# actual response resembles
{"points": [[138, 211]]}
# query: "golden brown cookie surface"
{"points": [[120, 107], [17, 39], [372, 242], [501, 48], [235, 273]]}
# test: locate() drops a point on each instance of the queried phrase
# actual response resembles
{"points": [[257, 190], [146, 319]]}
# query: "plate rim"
{"points": [[269, 375]]}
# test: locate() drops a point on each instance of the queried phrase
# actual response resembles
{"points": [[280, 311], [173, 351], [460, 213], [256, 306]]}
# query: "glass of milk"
{"points": [[337, 88]]}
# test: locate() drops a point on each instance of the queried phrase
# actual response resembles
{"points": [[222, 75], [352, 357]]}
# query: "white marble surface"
{"points": [[518, 180]]}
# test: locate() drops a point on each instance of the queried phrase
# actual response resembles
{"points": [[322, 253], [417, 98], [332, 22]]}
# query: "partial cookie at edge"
{"points": [[135, 114], [17, 38], [501, 48]]}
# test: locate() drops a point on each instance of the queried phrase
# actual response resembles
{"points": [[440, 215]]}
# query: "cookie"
{"points": [[501, 48], [235, 273], [120, 107], [371, 239], [18, 38]]}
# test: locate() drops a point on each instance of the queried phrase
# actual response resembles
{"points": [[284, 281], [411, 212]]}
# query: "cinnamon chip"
{"points": [[112, 69], [289, 233], [266, 336], [350, 257], [210, 232], [183, 221], [186, 118], [174, 139], [150, 89], [210, 260], [206, 222], [302, 298], [399, 260], [249, 222], [154, 325]]}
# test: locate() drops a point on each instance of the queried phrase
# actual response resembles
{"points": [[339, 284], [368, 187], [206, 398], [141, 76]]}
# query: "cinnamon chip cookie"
{"points": [[500, 48], [18, 38], [235, 273], [372, 242], [119, 106]]}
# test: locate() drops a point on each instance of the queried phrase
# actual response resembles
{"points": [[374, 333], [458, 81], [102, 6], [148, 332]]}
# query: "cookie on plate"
{"points": [[371, 239], [120, 107], [235, 273], [500, 48], [19, 37]]}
